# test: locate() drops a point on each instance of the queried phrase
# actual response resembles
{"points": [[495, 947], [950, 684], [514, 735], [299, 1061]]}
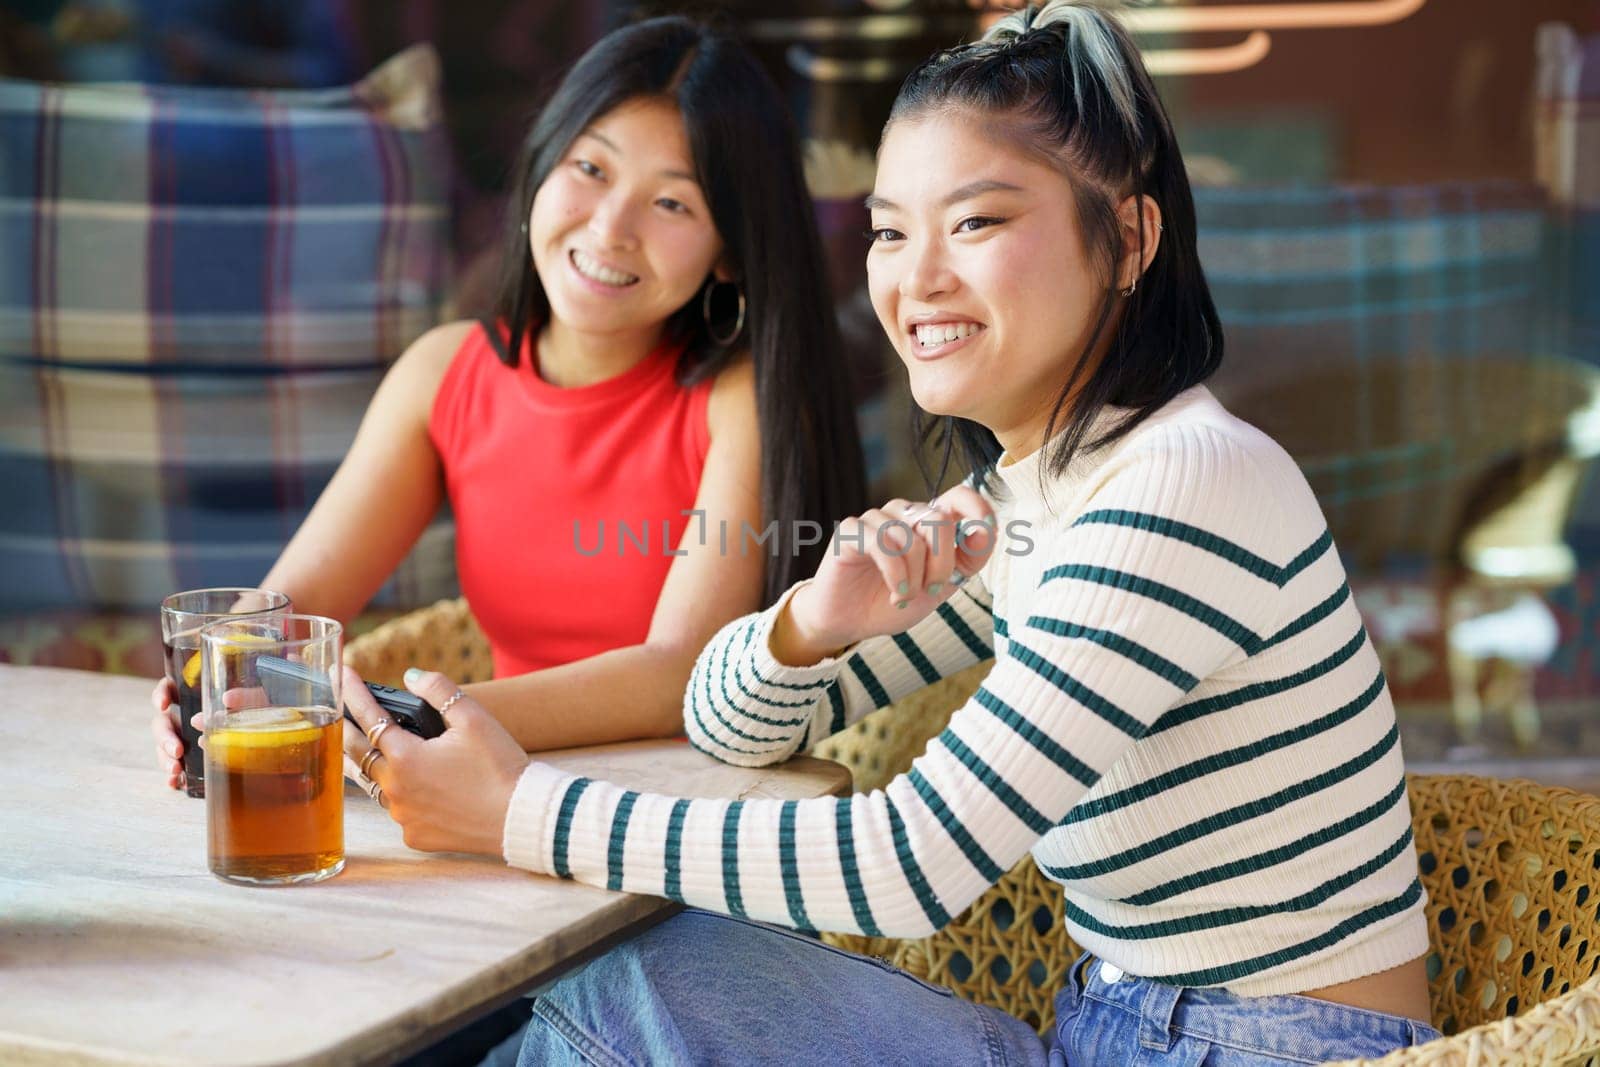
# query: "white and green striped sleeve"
{"points": [[744, 707], [1128, 617]]}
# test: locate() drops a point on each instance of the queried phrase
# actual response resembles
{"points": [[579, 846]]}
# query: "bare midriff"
{"points": [[1401, 990]]}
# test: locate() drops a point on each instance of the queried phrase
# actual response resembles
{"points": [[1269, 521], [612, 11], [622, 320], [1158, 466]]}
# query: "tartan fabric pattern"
{"points": [[1304, 274], [1395, 341], [200, 292]]}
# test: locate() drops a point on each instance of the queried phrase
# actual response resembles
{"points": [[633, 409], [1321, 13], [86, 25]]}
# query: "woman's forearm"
{"points": [[621, 695]]}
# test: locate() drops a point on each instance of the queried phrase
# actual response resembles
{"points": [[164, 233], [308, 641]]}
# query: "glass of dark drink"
{"points": [[182, 617], [274, 750]]}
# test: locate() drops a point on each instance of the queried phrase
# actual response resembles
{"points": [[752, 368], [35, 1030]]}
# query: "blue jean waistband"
{"points": [[1290, 1026]]}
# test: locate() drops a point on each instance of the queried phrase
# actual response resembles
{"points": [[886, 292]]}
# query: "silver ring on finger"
{"points": [[372, 756], [375, 791], [377, 731], [448, 704]]}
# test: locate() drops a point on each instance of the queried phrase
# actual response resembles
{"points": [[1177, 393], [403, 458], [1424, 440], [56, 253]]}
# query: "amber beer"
{"points": [[275, 796]]}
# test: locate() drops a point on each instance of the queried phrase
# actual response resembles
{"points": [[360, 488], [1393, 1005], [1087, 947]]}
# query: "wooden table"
{"points": [[117, 946]]}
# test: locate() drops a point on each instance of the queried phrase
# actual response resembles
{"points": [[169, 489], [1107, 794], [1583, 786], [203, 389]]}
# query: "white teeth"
{"points": [[597, 271], [944, 332]]}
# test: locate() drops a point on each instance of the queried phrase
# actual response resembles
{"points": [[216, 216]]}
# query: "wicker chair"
{"points": [[444, 637], [1512, 871]]}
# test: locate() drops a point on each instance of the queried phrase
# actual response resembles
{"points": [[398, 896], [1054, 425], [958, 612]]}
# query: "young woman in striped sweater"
{"points": [[1185, 723]]}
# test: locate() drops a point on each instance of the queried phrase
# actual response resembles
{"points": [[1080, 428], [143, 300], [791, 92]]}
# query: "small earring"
{"points": [[705, 314], [1130, 289]]}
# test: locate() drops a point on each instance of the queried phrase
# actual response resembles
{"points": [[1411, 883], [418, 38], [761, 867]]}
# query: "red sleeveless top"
{"points": [[567, 502]]}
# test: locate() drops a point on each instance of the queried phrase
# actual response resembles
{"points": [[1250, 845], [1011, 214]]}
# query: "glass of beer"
{"points": [[182, 617], [271, 689]]}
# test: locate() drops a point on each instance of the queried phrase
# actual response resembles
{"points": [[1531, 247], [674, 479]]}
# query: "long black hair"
{"points": [[1066, 82], [747, 161]]}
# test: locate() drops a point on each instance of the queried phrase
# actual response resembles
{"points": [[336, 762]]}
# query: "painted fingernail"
{"points": [[901, 604], [936, 588], [903, 588], [413, 674], [956, 580]]}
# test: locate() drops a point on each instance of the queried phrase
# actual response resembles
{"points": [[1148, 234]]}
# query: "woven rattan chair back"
{"points": [[443, 637], [1512, 870]]}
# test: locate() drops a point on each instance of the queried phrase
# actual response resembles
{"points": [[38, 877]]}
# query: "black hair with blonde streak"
{"points": [[1065, 83]]}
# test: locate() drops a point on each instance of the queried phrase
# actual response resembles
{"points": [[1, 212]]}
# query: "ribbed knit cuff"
{"points": [[528, 838], [773, 671]]}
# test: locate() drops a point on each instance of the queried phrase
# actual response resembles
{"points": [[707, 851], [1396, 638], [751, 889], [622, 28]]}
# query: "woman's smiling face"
{"points": [[620, 231], [979, 274]]}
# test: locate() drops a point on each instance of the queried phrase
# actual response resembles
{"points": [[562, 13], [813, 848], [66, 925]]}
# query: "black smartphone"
{"points": [[288, 684]]}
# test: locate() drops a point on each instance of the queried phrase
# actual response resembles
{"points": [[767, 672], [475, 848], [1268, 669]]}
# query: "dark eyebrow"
{"points": [[965, 192], [978, 188], [609, 143]]}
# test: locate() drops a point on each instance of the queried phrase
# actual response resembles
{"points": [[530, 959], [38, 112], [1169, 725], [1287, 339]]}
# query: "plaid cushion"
{"points": [[203, 289]]}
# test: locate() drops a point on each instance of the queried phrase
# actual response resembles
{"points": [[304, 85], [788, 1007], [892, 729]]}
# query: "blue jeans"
{"points": [[1106, 1018], [708, 989]]}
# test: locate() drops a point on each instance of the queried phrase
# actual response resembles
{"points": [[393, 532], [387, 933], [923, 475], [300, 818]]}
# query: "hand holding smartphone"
{"points": [[288, 684]]}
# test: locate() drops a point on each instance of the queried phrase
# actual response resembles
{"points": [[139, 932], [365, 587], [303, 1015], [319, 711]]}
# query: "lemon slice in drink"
{"points": [[264, 740], [191, 666], [191, 670]]}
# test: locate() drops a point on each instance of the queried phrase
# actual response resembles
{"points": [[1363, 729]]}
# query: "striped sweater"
{"points": [[1186, 724]]}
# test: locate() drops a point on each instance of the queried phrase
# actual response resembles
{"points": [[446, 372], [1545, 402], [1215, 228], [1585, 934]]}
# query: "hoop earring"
{"points": [[705, 314], [1130, 289]]}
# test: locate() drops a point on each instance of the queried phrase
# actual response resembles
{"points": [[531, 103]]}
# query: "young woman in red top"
{"points": [[662, 343]]}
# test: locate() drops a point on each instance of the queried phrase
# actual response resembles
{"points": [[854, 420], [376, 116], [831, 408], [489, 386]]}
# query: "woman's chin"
{"points": [[941, 403]]}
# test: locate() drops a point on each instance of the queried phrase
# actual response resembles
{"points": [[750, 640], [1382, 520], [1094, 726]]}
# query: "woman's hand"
{"points": [[169, 742], [449, 794], [885, 571], [169, 745]]}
